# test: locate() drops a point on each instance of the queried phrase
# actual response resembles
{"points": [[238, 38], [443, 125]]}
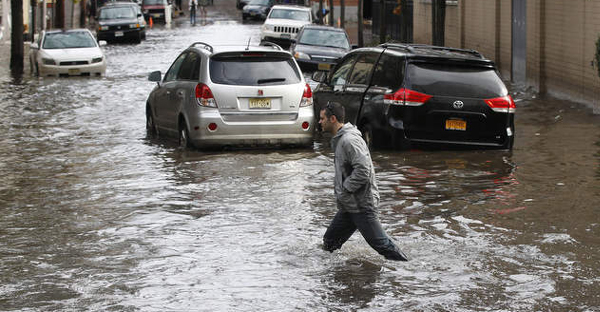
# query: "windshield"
{"points": [[259, 2], [153, 2], [290, 14], [455, 80], [321, 37], [66, 40], [117, 13], [254, 71]]}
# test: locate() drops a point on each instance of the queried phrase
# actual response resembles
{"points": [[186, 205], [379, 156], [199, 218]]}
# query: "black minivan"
{"points": [[399, 94]]}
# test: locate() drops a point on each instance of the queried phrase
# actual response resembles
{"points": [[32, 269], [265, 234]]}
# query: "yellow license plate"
{"points": [[323, 66], [74, 71], [259, 103], [456, 124]]}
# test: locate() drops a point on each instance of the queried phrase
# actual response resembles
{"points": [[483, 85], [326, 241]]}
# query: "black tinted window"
{"points": [[190, 68], [173, 72], [340, 75], [362, 68], [254, 71], [389, 72], [454, 80]]}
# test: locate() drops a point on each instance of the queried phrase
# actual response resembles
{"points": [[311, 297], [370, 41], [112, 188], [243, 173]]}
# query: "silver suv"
{"points": [[232, 95]]}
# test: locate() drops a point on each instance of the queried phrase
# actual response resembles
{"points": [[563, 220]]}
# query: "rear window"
{"points": [[254, 71], [454, 80]]}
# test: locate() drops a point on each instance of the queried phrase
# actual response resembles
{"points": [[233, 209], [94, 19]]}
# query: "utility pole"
{"points": [[16, 39]]}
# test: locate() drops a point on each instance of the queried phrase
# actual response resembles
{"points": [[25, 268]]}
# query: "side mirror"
{"points": [[34, 46], [354, 46], [319, 76], [139, 15], [155, 76]]}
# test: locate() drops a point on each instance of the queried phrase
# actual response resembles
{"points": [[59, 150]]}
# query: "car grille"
{"points": [[286, 29], [73, 63], [119, 27]]}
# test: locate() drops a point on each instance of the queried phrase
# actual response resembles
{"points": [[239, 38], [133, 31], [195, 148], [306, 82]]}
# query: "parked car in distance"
{"points": [[257, 9], [400, 94], [120, 21], [284, 22], [240, 4], [72, 52], [158, 10], [219, 96], [320, 47]]}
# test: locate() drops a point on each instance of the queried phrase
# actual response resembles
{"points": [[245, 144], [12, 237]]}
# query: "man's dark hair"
{"points": [[335, 109]]}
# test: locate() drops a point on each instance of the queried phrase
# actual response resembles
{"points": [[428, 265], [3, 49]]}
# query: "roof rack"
{"points": [[206, 45], [271, 44], [411, 48]]}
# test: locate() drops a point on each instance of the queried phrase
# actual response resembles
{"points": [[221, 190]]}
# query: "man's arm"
{"points": [[356, 156]]}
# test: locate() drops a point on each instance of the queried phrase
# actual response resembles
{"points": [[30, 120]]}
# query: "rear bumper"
{"points": [[250, 133], [119, 34]]}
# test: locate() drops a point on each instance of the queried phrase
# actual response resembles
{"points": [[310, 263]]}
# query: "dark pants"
{"points": [[344, 224], [192, 15]]}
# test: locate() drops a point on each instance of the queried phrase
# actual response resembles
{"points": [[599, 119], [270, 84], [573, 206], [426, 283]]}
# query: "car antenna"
{"points": [[248, 46]]}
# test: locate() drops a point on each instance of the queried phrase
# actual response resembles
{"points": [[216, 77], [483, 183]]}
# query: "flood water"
{"points": [[96, 216]]}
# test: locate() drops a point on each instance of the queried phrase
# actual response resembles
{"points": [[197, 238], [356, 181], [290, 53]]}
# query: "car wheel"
{"points": [[138, 38], [184, 136], [150, 124]]}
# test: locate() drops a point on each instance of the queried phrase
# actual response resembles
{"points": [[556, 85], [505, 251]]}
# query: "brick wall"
{"points": [[561, 38]]}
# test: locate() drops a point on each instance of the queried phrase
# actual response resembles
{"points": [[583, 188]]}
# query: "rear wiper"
{"points": [[261, 81]]}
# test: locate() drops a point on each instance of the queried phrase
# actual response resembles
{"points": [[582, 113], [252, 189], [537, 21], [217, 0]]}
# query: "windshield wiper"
{"points": [[261, 81]]}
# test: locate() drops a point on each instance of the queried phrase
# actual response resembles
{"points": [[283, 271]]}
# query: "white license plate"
{"points": [[259, 103], [74, 71], [118, 34], [157, 15]]}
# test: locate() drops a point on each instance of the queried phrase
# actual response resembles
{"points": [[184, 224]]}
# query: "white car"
{"points": [[284, 22], [72, 52]]}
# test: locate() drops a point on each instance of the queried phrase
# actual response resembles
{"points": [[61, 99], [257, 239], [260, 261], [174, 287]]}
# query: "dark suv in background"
{"points": [[399, 94]]}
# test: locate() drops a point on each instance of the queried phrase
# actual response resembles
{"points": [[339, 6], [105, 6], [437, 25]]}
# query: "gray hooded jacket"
{"points": [[355, 184]]}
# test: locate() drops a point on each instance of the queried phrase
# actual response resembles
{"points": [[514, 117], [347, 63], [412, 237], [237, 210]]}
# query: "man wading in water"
{"points": [[356, 190]]}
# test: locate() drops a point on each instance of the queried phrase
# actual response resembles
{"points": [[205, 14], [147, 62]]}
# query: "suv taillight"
{"points": [[504, 104], [406, 97], [204, 96], [307, 99]]}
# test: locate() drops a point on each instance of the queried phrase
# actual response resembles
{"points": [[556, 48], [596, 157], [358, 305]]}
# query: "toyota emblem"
{"points": [[458, 104]]}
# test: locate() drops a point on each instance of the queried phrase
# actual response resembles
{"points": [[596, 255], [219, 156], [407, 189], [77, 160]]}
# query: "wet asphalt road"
{"points": [[96, 216]]}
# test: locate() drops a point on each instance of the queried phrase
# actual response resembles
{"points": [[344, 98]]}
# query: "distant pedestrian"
{"points": [[203, 4], [355, 188], [193, 5]]}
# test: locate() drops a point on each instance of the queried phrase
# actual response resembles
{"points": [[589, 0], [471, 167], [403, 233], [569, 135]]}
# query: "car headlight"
{"points": [[97, 60], [300, 55], [48, 61], [103, 27], [268, 28], [134, 25]]}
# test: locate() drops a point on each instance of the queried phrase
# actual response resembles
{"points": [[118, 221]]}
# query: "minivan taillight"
{"points": [[307, 99], [204, 96], [406, 97], [504, 104]]}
